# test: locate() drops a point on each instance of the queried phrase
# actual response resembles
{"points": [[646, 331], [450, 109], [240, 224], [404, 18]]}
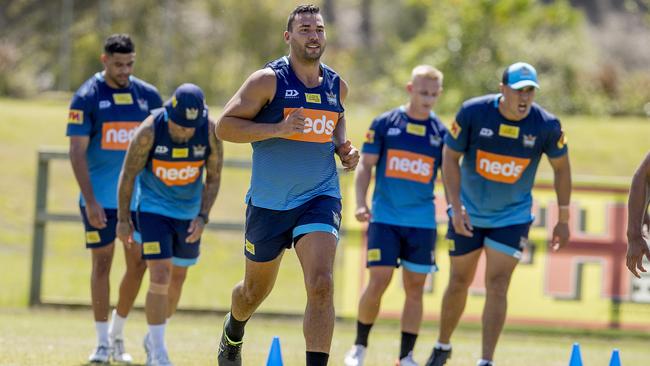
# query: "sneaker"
{"points": [[407, 361], [102, 354], [117, 351], [438, 357], [355, 356], [148, 348], [160, 358], [229, 351]]}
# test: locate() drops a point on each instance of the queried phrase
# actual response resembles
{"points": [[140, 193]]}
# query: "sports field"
{"points": [[605, 147], [63, 337]]}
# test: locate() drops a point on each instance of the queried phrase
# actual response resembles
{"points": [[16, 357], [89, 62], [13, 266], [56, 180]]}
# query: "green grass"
{"points": [[65, 337]]}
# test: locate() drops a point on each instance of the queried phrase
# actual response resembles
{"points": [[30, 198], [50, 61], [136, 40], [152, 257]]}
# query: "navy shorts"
{"points": [[97, 238], [269, 232], [393, 245], [164, 237], [509, 240]]}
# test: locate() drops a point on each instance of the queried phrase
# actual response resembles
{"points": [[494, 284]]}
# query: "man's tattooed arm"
{"points": [[134, 162]]}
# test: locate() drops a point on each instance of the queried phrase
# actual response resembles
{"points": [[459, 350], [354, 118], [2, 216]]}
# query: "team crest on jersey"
{"points": [[143, 104], [455, 130], [529, 141], [198, 151], [123, 98], [312, 98], [103, 104], [331, 98], [435, 140], [161, 150], [511, 132]]}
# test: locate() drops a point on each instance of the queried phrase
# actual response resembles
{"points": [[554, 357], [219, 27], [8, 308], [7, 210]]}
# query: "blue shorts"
{"points": [[393, 245], [509, 240], [97, 238], [164, 237], [269, 232]]}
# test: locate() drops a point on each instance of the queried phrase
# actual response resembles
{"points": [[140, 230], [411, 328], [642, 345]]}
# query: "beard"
{"points": [[309, 56], [116, 81]]}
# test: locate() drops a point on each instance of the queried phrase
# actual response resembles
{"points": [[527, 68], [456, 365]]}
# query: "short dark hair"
{"points": [[301, 9], [118, 43]]}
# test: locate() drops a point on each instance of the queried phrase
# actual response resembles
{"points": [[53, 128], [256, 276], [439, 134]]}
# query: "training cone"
{"points": [[616, 358], [275, 354], [576, 359]]}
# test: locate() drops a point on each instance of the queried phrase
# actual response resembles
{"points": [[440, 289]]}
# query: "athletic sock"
{"points": [[116, 327], [317, 358], [443, 346], [407, 344], [484, 362], [102, 333], [234, 328], [363, 330], [157, 332]]}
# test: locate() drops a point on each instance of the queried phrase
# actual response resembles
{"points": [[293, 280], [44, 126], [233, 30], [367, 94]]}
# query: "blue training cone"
{"points": [[576, 359], [616, 358], [275, 354]]}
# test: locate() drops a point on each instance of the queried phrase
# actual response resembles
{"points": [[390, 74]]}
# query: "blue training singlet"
{"points": [[109, 118], [171, 183], [501, 158], [410, 154], [288, 172]]}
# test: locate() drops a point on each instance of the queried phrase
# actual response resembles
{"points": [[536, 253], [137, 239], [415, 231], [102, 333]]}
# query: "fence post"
{"points": [[38, 241]]}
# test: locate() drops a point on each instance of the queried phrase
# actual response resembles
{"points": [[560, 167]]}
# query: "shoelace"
{"points": [[231, 350]]}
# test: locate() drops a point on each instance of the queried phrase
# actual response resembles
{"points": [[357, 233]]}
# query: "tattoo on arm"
{"points": [[134, 162], [213, 174]]}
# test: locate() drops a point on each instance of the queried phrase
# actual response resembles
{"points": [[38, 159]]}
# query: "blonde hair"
{"points": [[426, 71]]}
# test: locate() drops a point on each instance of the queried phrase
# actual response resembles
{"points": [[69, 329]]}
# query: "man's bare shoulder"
{"points": [[262, 78]]}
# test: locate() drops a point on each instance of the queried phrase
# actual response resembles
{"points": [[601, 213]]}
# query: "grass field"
{"points": [[64, 337], [607, 148]]}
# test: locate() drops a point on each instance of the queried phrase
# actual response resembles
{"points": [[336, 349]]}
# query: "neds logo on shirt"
{"points": [[177, 173], [319, 125], [117, 135], [500, 168], [408, 165]]}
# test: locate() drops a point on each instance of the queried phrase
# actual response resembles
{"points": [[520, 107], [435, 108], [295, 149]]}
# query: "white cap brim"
{"points": [[524, 83]]}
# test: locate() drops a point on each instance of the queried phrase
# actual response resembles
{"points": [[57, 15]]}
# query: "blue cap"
{"points": [[520, 75], [187, 106]]}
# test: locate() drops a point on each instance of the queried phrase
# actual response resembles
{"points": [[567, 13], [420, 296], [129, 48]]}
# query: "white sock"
{"points": [[102, 333], [157, 333], [117, 325], [484, 362], [443, 346]]}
